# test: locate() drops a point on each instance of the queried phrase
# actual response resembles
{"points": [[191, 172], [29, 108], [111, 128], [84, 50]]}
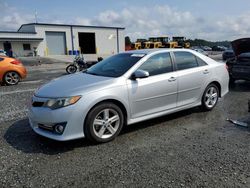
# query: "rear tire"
{"points": [[11, 78], [71, 69], [210, 97], [103, 123]]}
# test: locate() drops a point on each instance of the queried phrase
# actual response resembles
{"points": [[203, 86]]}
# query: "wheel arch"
{"points": [[217, 84], [12, 71], [2, 79], [116, 102]]}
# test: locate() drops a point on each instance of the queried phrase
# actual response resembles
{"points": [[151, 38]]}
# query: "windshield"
{"points": [[116, 65]]}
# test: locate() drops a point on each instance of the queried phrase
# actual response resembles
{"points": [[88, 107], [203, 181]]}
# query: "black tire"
{"points": [[11, 78], [71, 69], [90, 129], [204, 101]]}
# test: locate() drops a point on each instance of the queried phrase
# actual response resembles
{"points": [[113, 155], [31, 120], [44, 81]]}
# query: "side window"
{"points": [[201, 62], [185, 60], [158, 64]]}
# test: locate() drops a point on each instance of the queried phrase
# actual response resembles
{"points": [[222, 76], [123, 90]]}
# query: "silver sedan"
{"points": [[125, 89]]}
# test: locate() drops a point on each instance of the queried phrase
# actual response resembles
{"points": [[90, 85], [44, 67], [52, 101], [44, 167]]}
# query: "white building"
{"points": [[60, 39]]}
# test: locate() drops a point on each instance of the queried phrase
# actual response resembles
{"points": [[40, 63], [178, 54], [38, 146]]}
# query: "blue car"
{"points": [[228, 54]]}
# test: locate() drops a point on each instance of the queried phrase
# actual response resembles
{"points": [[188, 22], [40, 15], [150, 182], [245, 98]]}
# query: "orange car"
{"points": [[11, 70]]}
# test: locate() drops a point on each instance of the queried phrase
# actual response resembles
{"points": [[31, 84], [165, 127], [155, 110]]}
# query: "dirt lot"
{"points": [[186, 149]]}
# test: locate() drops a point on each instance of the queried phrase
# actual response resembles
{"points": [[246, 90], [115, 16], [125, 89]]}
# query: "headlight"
{"points": [[61, 102]]}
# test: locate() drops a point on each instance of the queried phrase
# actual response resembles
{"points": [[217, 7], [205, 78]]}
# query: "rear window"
{"points": [[244, 57]]}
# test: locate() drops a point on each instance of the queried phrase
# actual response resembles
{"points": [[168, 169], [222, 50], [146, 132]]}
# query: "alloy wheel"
{"points": [[11, 78], [211, 97], [106, 123]]}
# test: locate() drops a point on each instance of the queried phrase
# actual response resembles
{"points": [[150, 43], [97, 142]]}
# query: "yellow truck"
{"points": [[182, 42]]}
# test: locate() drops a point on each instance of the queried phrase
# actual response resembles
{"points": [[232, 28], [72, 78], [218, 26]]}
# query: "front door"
{"points": [[156, 93]]}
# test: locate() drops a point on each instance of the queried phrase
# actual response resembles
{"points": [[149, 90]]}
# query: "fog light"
{"points": [[59, 129]]}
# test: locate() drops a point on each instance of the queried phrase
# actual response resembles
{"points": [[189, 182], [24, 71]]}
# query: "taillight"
{"points": [[16, 62], [227, 67]]}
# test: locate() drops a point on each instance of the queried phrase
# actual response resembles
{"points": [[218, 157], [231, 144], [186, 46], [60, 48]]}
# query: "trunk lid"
{"points": [[241, 46]]}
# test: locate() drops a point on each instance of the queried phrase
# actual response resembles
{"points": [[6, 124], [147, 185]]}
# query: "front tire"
{"points": [[103, 123], [210, 97], [11, 78], [71, 69]]}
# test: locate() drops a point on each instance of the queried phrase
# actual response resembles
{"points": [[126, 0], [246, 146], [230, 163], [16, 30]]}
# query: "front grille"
{"points": [[37, 104]]}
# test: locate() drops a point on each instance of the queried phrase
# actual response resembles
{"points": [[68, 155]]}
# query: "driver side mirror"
{"points": [[139, 74]]}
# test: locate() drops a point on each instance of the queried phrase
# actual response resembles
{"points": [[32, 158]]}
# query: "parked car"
{"points": [[239, 67], [228, 54], [206, 48], [2, 53], [11, 70], [219, 48], [201, 51], [125, 89]]}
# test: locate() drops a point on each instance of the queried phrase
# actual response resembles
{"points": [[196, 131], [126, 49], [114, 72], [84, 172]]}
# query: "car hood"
{"points": [[75, 84], [241, 46]]}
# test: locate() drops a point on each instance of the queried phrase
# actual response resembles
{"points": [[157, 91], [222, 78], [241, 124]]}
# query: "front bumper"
{"points": [[71, 116]]}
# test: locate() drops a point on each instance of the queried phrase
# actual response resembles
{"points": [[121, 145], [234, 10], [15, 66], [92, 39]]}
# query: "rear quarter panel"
{"points": [[6, 66], [220, 74]]}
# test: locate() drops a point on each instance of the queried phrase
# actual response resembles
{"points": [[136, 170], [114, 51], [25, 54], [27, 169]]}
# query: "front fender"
{"points": [[116, 93]]}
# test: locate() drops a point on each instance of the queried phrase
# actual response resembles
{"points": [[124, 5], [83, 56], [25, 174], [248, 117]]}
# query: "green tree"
{"points": [[201, 42], [127, 41]]}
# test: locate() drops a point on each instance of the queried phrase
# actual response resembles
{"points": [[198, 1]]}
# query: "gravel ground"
{"points": [[186, 149]]}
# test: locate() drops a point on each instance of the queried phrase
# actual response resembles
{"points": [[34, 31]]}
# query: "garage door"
{"points": [[56, 43]]}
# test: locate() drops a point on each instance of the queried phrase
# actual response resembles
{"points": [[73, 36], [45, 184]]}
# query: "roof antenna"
{"points": [[36, 16]]}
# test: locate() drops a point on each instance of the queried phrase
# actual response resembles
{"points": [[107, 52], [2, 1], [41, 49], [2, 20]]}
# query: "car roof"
{"points": [[150, 51]]}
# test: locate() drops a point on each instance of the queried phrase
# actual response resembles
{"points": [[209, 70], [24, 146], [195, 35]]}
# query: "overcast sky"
{"points": [[211, 19]]}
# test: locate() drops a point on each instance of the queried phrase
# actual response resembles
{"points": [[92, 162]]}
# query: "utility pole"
{"points": [[36, 16]]}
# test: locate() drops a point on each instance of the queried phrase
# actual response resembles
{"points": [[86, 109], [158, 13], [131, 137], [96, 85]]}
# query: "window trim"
{"points": [[171, 61]]}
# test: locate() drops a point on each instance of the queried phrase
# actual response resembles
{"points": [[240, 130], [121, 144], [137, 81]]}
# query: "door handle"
{"points": [[172, 79], [205, 71]]}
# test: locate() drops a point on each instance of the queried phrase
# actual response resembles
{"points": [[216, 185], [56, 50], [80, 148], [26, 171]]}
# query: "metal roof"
{"points": [[19, 39], [18, 32], [149, 51], [69, 25]]}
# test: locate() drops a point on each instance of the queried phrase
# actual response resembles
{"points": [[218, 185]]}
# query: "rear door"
{"points": [[192, 73], [156, 93]]}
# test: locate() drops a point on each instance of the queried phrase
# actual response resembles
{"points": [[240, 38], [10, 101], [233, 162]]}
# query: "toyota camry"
{"points": [[124, 89]]}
